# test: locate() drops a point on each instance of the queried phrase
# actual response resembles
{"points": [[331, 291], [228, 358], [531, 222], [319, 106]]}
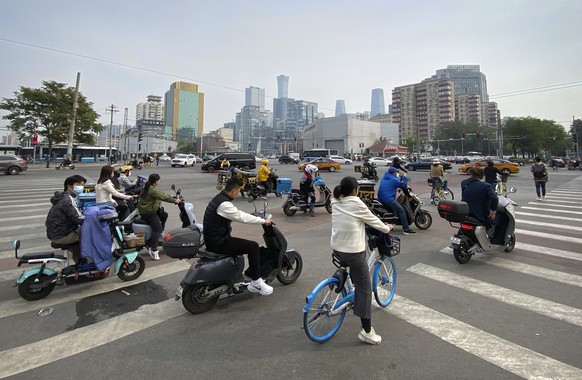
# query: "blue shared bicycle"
{"points": [[326, 305]]}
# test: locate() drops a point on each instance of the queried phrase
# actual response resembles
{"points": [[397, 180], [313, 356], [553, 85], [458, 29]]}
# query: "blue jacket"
{"points": [[388, 186], [96, 235], [480, 197]]}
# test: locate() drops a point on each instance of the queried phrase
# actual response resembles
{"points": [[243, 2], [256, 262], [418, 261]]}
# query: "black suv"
{"points": [[287, 160], [244, 161]]}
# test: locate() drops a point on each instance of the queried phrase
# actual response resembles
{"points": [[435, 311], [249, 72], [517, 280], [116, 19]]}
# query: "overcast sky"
{"points": [[330, 50]]}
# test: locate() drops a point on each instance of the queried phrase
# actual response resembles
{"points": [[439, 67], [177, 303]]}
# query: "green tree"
{"points": [[530, 136], [46, 111]]}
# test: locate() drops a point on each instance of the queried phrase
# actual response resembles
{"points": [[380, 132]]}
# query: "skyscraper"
{"points": [[378, 105], [283, 86], [184, 111], [153, 109], [468, 79], [340, 107], [255, 96]]}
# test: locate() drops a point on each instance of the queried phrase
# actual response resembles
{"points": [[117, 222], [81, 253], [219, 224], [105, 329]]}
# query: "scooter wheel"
{"points": [[511, 244], [194, 303], [423, 220], [131, 271], [29, 294], [290, 272], [462, 254], [287, 209]]}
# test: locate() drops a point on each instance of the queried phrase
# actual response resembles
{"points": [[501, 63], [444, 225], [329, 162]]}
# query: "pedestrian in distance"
{"points": [[540, 177], [349, 217], [47, 159]]}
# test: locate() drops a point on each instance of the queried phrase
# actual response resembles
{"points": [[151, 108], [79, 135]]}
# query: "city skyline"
{"points": [[122, 69]]}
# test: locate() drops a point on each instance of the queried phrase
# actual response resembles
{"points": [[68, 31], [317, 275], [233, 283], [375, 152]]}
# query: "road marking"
{"points": [[548, 210], [21, 237], [37, 211], [552, 200], [549, 225], [549, 236], [36, 354], [500, 352], [547, 216], [511, 297], [547, 274], [10, 253], [19, 306], [562, 206], [20, 200], [24, 206], [550, 251]]}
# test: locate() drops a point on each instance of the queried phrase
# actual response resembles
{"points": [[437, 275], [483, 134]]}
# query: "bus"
{"points": [[312, 154], [85, 153]]}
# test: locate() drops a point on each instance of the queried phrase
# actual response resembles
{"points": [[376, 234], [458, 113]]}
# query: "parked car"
{"points": [[165, 158], [288, 160], [504, 166], [341, 160], [12, 164], [379, 161], [322, 163], [425, 164], [461, 160], [244, 161], [183, 160], [557, 162]]}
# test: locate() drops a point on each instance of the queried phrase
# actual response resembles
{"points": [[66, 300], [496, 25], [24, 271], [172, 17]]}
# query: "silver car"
{"points": [[11, 164]]}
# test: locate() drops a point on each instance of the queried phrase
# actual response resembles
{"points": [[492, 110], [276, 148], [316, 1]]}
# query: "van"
{"points": [[294, 156], [244, 161]]}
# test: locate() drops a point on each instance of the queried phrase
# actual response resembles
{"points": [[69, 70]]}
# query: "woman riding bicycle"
{"points": [[348, 241]]}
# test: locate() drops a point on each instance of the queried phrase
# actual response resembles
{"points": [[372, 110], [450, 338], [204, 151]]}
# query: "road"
{"points": [[502, 315]]}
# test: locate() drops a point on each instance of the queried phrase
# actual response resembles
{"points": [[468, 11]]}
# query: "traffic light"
{"points": [[574, 138], [139, 136], [462, 134], [35, 139], [478, 133]]}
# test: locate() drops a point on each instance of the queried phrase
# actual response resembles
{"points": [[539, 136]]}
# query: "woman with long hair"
{"points": [[152, 213], [105, 191], [349, 217]]}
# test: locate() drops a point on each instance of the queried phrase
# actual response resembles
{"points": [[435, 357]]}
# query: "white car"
{"points": [[341, 160], [183, 160], [165, 158], [379, 161]]}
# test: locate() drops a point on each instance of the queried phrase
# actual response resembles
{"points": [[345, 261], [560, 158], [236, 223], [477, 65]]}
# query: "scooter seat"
{"points": [[61, 246], [211, 255], [40, 255], [139, 221]]}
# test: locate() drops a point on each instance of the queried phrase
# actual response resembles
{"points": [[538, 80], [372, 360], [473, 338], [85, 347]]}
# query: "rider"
{"points": [[437, 174], [491, 172], [263, 176], [348, 240], [387, 195], [218, 217], [397, 163], [480, 196], [105, 191], [152, 213], [306, 186], [224, 164], [64, 217], [124, 181]]}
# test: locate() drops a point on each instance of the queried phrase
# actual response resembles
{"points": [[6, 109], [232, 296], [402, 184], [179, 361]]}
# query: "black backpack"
{"points": [[538, 170]]}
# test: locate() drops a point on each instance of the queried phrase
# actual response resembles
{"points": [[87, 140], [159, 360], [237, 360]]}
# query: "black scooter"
{"points": [[65, 165], [297, 200], [411, 204]]}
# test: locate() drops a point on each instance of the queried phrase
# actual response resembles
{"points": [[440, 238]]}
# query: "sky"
{"points": [[330, 49]]}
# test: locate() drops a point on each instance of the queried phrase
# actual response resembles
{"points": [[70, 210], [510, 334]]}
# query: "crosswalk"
{"points": [[536, 281]]}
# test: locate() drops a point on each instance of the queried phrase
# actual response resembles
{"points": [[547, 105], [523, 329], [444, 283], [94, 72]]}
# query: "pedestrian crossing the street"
{"points": [[549, 292]]}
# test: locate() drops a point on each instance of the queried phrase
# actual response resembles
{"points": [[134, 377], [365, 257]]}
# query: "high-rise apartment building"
{"points": [[340, 107], [283, 86], [378, 104], [184, 111], [468, 79], [255, 96], [153, 109], [468, 108]]}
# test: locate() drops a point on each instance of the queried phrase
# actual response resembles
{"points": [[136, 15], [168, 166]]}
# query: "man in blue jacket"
{"points": [[480, 196], [387, 195]]}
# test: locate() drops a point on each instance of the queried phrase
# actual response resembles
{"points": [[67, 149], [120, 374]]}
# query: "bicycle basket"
{"points": [[386, 244]]}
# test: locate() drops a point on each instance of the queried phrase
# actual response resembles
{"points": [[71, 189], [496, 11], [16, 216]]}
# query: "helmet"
{"points": [[311, 169], [264, 162], [436, 161]]}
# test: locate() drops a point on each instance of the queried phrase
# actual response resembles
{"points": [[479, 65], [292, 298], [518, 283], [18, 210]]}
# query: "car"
{"points": [[165, 158], [341, 160], [322, 163], [288, 160], [557, 162], [461, 160], [425, 164], [379, 161], [244, 161], [12, 164], [504, 166], [183, 160]]}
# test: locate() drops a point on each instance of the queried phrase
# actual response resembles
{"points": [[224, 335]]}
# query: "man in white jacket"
{"points": [[348, 240]]}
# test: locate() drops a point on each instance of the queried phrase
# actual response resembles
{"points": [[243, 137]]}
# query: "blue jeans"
{"points": [[397, 207]]}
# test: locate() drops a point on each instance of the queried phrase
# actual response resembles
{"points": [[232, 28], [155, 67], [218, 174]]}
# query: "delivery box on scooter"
{"points": [[453, 211], [366, 190], [182, 243]]}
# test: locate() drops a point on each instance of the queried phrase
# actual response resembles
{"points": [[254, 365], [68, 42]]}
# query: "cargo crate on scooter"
{"points": [[182, 243], [284, 185], [453, 211], [86, 200], [366, 190]]}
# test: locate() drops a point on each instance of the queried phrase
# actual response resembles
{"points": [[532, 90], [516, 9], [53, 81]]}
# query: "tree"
{"points": [[530, 136], [46, 111]]}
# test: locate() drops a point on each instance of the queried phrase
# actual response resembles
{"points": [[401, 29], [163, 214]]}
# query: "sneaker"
{"points": [[539, 198], [311, 213], [259, 286], [409, 232], [544, 198], [155, 255], [370, 338]]}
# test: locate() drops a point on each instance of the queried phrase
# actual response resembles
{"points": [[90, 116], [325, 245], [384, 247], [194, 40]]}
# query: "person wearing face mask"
{"points": [[64, 217], [105, 191]]}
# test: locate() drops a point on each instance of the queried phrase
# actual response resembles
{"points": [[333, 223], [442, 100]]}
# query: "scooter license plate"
{"points": [[179, 293], [455, 240]]}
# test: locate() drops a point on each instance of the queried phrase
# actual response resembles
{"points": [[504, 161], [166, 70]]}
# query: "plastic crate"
{"points": [[284, 185]]}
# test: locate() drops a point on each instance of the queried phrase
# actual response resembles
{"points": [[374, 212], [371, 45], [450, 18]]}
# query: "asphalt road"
{"points": [[502, 315]]}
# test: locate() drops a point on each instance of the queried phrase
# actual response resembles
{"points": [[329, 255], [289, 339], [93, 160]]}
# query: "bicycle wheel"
{"points": [[318, 322], [447, 195], [433, 196], [384, 280]]}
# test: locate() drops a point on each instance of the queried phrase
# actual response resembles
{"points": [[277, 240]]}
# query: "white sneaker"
{"points": [[155, 255], [370, 338], [539, 198], [544, 198], [259, 286]]}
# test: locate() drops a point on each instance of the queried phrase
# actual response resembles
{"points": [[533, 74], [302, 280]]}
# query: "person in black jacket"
{"points": [[480, 197], [64, 217], [491, 172]]}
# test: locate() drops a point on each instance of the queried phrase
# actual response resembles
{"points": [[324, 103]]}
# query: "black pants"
{"points": [[267, 186], [237, 246], [158, 223], [361, 279]]}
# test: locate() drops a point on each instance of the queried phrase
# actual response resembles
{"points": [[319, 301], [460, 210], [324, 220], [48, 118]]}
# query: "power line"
{"points": [[536, 90]]}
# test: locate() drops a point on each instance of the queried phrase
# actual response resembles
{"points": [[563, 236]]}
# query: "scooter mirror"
{"points": [[173, 187]]}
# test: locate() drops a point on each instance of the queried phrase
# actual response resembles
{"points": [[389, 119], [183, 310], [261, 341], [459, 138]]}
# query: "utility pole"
{"points": [[124, 134], [73, 117], [111, 109]]}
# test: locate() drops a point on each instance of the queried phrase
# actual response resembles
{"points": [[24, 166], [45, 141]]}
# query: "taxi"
{"points": [[322, 163]]}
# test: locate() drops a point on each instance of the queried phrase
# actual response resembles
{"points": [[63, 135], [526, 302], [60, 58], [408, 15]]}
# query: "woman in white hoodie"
{"points": [[348, 241], [105, 191]]}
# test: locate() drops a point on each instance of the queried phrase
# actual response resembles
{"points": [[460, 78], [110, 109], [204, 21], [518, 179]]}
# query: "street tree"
{"points": [[530, 136], [47, 111]]}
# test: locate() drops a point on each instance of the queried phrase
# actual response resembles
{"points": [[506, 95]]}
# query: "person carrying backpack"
{"points": [[540, 177]]}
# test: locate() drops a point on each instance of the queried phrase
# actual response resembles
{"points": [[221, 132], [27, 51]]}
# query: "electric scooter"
{"points": [[297, 201]]}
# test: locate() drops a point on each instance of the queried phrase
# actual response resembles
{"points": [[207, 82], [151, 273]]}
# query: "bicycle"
{"points": [[326, 305], [438, 192], [501, 185]]}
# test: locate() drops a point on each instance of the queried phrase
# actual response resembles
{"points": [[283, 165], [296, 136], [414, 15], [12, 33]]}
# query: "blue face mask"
{"points": [[78, 189]]}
